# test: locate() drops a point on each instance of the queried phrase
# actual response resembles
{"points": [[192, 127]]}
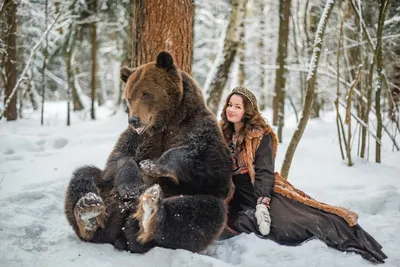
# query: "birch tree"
{"points": [[219, 75]]}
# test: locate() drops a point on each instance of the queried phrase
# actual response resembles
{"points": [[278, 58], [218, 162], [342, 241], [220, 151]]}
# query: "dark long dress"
{"points": [[292, 222]]}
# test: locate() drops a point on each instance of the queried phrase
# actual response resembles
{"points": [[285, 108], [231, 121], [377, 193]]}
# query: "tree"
{"points": [[223, 63], [93, 33], [11, 61], [162, 25], [278, 102], [311, 77]]}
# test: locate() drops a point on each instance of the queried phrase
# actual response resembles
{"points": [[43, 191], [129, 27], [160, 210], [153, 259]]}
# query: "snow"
{"points": [[36, 164]]}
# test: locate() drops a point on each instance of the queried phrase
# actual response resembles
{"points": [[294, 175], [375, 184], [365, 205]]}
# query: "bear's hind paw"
{"points": [[89, 214], [150, 201], [146, 214]]}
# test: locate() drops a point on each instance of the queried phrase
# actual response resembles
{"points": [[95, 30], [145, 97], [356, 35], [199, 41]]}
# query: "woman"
{"points": [[264, 203]]}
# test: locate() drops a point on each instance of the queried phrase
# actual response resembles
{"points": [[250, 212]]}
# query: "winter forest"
{"points": [[326, 75]]}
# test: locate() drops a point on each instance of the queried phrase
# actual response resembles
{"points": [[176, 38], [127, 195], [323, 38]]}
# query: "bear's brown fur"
{"points": [[173, 140]]}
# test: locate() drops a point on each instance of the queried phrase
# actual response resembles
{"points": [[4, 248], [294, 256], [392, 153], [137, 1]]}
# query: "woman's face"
{"points": [[235, 109]]}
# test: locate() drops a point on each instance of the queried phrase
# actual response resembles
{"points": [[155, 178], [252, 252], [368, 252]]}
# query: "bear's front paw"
{"points": [[90, 213], [152, 171], [148, 167]]}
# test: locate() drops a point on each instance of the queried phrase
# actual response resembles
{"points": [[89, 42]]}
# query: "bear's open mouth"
{"points": [[140, 130], [143, 127]]}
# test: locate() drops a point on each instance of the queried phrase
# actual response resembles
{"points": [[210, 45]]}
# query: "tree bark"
{"points": [[93, 82], [11, 62], [262, 53], [383, 7], [278, 101], [312, 75], [242, 51], [162, 25], [340, 46], [44, 67], [231, 43]]}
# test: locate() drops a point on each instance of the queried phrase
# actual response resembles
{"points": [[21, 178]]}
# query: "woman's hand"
{"points": [[263, 219], [262, 215]]}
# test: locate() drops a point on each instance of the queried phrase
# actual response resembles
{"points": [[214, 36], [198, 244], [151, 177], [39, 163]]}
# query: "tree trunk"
{"points": [[310, 28], [11, 62], [231, 42], [383, 7], [242, 51], [76, 99], [44, 68], [261, 50], [162, 25], [278, 101], [68, 50], [338, 120], [127, 53], [312, 75], [93, 82]]}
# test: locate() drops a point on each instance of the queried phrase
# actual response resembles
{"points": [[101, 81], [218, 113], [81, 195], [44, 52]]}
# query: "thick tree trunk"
{"points": [[11, 63], [162, 25], [231, 42], [312, 75], [278, 101]]}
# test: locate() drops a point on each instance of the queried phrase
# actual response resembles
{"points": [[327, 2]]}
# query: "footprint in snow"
{"points": [[60, 143]]}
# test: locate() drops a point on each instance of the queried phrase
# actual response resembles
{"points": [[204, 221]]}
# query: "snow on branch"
{"points": [[318, 39]]}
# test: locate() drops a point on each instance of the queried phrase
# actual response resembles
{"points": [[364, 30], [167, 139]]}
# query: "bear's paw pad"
{"points": [[150, 201], [90, 210]]}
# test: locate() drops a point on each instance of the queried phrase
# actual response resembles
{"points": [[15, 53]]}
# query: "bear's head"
{"points": [[153, 92]]}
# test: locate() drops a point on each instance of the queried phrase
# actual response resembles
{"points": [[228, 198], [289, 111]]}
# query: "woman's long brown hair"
{"points": [[251, 119]]}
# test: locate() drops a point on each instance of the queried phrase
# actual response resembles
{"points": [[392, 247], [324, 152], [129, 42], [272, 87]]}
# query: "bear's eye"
{"points": [[145, 95]]}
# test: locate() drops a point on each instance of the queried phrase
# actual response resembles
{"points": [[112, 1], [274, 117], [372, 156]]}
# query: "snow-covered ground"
{"points": [[36, 164]]}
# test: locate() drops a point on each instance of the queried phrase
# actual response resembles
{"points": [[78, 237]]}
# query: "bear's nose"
{"points": [[134, 121]]}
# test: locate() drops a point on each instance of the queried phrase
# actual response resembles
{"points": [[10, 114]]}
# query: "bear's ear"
{"points": [[165, 60], [125, 72]]}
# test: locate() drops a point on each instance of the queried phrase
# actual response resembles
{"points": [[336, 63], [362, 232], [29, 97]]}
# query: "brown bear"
{"points": [[174, 150]]}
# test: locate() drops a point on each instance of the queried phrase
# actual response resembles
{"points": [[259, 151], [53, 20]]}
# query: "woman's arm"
{"points": [[264, 168]]}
